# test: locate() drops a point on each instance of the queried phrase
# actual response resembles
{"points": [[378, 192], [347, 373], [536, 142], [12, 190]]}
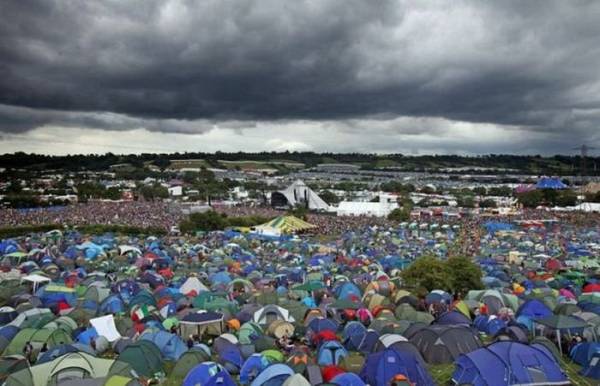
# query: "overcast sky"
{"points": [[415, 77]]}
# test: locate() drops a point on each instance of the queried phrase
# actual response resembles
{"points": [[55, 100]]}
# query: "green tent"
{"points": [[247, 330], [309, 286], [143, 356], [72, 365], [188, 361], [37, 337], [12, 364], [273, 355]]}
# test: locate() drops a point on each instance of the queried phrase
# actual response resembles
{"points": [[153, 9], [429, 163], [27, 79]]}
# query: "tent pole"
{"points": [[559, 342]]}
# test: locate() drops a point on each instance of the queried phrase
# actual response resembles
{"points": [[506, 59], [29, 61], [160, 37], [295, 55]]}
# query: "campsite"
{"points": [[276, 305]]}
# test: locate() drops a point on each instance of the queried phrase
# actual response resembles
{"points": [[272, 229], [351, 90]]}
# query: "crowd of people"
{"points": [[165, 215], [131, 213]]}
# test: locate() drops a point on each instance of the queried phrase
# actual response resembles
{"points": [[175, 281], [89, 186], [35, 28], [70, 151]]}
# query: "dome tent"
{"points": [[508, 363]]}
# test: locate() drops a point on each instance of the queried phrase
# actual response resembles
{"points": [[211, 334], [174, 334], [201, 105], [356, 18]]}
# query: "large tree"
{"points": [[427, 272], [464, 274]]}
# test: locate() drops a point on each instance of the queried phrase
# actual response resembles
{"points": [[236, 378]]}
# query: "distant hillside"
{"points": [[535, 164]]}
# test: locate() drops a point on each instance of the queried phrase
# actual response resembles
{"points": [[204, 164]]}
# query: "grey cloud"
{"points": [[183, 67]]}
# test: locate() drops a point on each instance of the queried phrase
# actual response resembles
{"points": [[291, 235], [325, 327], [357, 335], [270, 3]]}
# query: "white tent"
{"points": [[105, 326], [36, 280], [193, 284], [270, 313], [123, 249], [299, 194]]}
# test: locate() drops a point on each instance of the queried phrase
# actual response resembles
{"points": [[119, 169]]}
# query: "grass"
{"points": [[442, 374], [189, 163], [252, 165]]}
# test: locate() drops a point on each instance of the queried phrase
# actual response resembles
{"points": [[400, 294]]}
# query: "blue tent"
{"points": [[322, 324], [222, 378], [583, 352], [532, 309], [351, 329], [8, 332], [58, 351], [348, 379], [347, 290], [231, 359], [170, 345], [453, 318], [508, 363], [202, 373], [273, 375], [220, 278], [491, 326], [86, 336], [382, 366], [550, 183], [592, 368], [253, 366], [496, 226], [331, 353]]}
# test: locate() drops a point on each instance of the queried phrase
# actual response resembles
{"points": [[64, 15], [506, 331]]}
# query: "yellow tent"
{"points": [[286, 224]]}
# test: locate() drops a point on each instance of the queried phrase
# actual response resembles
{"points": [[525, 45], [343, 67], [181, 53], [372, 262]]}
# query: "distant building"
{"points": [[382, 208], [175, 191]]}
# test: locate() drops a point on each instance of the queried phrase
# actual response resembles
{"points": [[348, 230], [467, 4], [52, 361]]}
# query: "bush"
{"points": [[464, 275], [329, 197], [399, 214], [531, 199], [213, 221], [457, 274], [487, 203], [427, 272], [566, 198], [465, 201]]}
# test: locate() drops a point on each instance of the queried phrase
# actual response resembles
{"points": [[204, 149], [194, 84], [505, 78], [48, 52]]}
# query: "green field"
{"points": [[253, 165], [189, 163]]}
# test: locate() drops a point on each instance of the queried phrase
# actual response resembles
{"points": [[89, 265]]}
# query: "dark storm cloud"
{"points": [[180, 65]]}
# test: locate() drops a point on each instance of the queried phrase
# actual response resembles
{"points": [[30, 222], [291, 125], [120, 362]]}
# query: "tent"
{"points": [[70, 366], [443, 344], [530, 310], [298, 193], [550, 183], [187, 361], [381, 367], [11, 364], [37, 337], [198, 323], [582, 353], [268, 314], [143, 356], [170, 345], [273, 375], [202, 373], [508, 363], [284, 225], [348, 379], [253, 366], [592, 368], [331, 353]]}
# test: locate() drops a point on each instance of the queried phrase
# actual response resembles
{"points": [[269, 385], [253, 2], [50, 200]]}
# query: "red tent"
{"points": [[592, 287], [324, 336], [330, 372], [553, 265]]}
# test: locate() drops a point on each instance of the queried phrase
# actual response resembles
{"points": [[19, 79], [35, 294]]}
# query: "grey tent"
{"points": [[443, 344]]}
